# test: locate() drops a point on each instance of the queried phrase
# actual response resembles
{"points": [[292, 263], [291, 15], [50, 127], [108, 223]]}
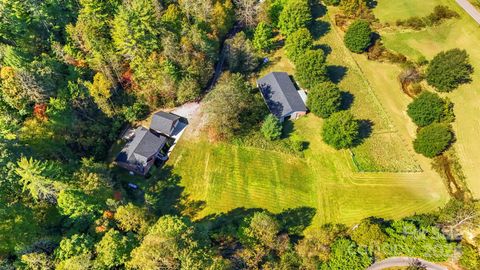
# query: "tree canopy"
{"points": [[324, 99], [340, 130], [428, 108], [432, 140], [449, 69], [358, 36], [295, 14], [310, 69]]}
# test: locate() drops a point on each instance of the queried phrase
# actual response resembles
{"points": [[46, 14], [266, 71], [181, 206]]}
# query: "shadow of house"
{"points": [[282, 98]]}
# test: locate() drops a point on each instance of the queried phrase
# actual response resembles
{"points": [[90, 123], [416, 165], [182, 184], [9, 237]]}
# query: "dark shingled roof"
{"points": [[163, 122], [280, 94], [144, 145]]}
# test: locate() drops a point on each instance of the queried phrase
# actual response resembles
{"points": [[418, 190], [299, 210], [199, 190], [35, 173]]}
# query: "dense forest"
{"points": [[74, 73]]}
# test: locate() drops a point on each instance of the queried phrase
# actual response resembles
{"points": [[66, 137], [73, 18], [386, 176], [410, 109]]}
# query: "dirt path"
{"points": [[405, 261]]}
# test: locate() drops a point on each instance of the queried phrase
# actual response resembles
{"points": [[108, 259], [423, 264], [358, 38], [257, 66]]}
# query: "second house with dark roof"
{"points": [[282, 98]]}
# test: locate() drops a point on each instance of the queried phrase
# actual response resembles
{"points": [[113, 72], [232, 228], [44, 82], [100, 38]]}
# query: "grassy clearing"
{"points": [[227, 176], [390, 10], [462, 33]]}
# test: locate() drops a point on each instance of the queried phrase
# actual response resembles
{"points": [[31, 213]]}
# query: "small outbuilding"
{"points": [[140, 153], [281, 96], [164, 123]]}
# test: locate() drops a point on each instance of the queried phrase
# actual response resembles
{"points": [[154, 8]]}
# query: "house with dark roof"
{"points": [[282, 98], [164, 123], [140, 153]]}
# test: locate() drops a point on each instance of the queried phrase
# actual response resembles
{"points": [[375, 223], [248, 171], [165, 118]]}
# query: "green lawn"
{"points": [[392, 10], [461, 33], [227, 176]]}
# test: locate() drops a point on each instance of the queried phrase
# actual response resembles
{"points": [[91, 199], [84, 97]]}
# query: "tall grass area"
{"points": [[463, 33]]}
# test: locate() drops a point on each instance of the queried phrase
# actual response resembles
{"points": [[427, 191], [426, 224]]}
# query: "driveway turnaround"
{"points": [[470, 9], [405, 261]]}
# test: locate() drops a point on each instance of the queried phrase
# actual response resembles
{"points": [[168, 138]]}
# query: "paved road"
{"points": [[404, 261], [470, 9]]}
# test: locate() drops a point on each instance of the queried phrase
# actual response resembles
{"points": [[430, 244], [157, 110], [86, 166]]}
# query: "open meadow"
{"points": [[385, 179], [463, 33]]}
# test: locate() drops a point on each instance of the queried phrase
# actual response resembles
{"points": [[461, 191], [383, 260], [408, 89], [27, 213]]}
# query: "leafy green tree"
{"points": [[171, 243], [358, 36], [470, 258], [79, 262], [271, 128], [100, 90], [298, 43], [132, 218], [37, 261], [449, 69], [34, 177], [432, 140], [315, 248], [353, 7], [75, 203], [331, 2], [347, 255], [296, 14], [113, 250], [77, 244], [263, 37], [229, 106], [241, 55], [324, 99], [341, 130], [405, 238], [261, 229], [428, 108], [136, 28], [369, 234], [310, 69]]}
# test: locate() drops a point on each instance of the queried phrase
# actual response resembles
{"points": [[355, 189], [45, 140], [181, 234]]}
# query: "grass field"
{"points": [[227, 176], [462, 33]]}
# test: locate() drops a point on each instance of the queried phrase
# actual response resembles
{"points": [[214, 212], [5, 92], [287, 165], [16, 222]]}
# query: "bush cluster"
{"points": [[449, 69], [358, 36], [432, 140], [439, 14]]}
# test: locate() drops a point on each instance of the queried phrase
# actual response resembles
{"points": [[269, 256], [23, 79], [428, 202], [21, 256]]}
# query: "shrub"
{"points": [[262, 38], [426, 109], [449, 69], [136, 112], [271, 128], [439, 14], [324, 99], [298, 43], [331, 2], [432, 140], [358, 36], [470, 258], [296, 14], [310, 69], [341, 130]]}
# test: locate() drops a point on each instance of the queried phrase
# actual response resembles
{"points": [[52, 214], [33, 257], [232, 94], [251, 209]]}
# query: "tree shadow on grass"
{"points": [[325, 48], [319, 28], [336, 73], [365, 131], [288, 129], [164, 195], [318, 10], [347, 100]]}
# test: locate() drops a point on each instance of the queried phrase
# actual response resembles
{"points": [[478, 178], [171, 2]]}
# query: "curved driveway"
{"points": [[404, 261], [470, 9]]}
